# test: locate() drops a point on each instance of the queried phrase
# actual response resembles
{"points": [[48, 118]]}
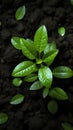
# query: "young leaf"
{"points": [[31, 78], [49, 57], [36, 86], [20, 13], [17, 82], [24, 68], [62, 72], [50, 47], [40, 39], [67, 126], [17, 99], [16, 42], [45, 76], [28, 48], [58, 93], [61, 31], [3, 118], [52, 106], [45, 92], [38, 61]]}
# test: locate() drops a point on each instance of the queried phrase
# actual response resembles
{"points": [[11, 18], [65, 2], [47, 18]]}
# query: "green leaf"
{"points": [[31, 78], [71, 2], [16, 42], [40, 39], [50, 47], [30, 41], [45, 76], [24, 68], [52, 106], [17, 82], [67, 126], [3, 118], [49, 57], [36, 86], [62, 72], [38, 61], [20, 13], [45, 92], [61, 31], [58, 93], [28, 48], [17, 99]]}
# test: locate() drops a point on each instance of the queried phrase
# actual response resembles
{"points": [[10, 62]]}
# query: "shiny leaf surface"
{"points": [[49, 57], [28, 48], [45, 76], [58, 93], [24, 68], [36, 86], [40, 39], [31, 78], [20, 13], [17, 99], [45, 92], [50, 47], [62, 72], [61, 31], [16, 42], [17, 82]]}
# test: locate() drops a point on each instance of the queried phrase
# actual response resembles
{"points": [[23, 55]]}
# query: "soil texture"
{"points": [[32, 113]]}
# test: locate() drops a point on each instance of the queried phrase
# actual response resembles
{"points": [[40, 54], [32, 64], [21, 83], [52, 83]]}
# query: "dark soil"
{"points": [[32, 114]]}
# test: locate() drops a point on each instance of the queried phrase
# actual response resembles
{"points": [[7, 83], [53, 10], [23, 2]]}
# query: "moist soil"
{"points": [[32, 113]]}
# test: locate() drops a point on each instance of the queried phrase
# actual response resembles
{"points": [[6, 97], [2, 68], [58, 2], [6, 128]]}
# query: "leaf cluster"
{"points": [[36, 69]]}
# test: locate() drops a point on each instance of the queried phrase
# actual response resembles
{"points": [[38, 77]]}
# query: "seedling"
{"points": [[36, 69], [20, 13], [61, 31]]}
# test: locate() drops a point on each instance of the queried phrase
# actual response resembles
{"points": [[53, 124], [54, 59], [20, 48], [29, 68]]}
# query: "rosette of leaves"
{"points": [[40, 55]]}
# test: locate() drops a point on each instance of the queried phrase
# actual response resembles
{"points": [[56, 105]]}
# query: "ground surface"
{"points": [[32, 114]]}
